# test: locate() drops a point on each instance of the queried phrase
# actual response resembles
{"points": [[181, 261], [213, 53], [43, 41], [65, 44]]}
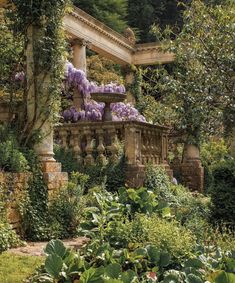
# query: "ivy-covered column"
{"points": [[38, 110], [40, 23]]}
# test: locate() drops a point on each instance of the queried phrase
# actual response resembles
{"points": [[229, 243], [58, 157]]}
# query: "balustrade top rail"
{"points": [[117, 124]]}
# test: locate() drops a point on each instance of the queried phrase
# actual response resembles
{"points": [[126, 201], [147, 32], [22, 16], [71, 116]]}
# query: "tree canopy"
{"points": [[200, 85], [112, 12]]}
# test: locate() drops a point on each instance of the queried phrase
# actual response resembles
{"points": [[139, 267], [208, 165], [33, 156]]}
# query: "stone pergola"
{"points": [[85, 30]]}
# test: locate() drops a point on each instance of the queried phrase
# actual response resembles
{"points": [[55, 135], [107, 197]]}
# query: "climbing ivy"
{"points": [[40, 24]]}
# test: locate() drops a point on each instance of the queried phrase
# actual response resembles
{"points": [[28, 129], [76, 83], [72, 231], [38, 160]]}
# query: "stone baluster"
{"points": [[113, 149], [144, 147], [101, 147], [89, 159], [76, 143], [152, 153], [63, 136]]}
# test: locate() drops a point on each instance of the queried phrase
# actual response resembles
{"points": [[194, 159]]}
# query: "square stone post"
{"points": [[135, 170], [192, 171]]}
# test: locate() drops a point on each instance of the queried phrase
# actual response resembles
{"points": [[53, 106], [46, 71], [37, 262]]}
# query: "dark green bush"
{"points": [[110, 175], [223, 193], [66, 158], [11, 157]]}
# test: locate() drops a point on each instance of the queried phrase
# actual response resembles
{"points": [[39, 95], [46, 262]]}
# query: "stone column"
{"points": [[129, 79], [38, 115], [79, 53], [79, 62], [191, 169]]}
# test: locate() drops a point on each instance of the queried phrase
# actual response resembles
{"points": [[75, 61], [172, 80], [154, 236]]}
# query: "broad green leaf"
{"points": [[53, 265], [194, 279], [113, 270], [128, 276], [164, 259], [55, 247], [153, 253]]}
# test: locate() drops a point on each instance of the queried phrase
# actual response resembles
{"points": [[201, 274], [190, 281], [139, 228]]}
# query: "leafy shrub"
{"points": [[8, 237], [212, 152], [11, 157], [223, 193], [67, 206], [139, 200], [66, 158], [112, 174], [168, 235], [157, 181]]}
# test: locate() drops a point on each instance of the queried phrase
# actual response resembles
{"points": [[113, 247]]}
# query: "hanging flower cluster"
{"points": [[93, 110], [77, 78]]}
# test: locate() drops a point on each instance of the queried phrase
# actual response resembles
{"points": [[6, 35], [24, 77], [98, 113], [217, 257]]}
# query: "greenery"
{"points": [[8, 236], [199, 86], [17, 268], [38, 26], [223, 193], [112, 13], [12, 158]]}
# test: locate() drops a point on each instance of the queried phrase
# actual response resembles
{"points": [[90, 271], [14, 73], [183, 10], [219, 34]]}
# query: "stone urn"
{"points": [[107, 98]]}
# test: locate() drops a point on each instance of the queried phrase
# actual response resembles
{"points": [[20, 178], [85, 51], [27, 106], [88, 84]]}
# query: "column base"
{"points": [[135, 175], [54, 178]]}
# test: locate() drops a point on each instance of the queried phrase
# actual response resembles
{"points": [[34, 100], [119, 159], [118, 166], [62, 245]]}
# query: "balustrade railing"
{"points": [[90, 141]]}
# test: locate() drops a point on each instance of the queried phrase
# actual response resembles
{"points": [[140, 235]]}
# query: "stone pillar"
{"points": [[192, 171], [79, 62], [79, 53], [129, 79], [39, 116]]}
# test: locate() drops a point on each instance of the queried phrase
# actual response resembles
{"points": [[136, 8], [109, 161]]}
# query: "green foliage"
{"points": [[110, 12], [111, 175], [67, 206], [138, 200], [157, 181], [142, 14], [66, 158], [11, 157], [8, 237], [103, 71], [11, 56], [211, 153], [223, 193], [40, 26], [168, 235], [199, 86]]}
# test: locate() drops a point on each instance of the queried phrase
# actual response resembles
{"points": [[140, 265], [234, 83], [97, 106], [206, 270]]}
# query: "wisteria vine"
{"points": [[93, 110]]}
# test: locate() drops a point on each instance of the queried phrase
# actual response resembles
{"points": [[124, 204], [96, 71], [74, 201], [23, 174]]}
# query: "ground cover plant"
{"points": [[17, 268]]}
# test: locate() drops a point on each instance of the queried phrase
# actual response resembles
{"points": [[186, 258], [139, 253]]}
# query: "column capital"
{"points": [[80, 42]]}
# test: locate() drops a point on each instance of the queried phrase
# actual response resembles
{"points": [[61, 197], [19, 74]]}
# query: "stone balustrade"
{"points": [[99, 141]]}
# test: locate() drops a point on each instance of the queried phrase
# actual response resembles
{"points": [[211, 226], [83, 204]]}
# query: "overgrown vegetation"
{"points": [[144, 236]]}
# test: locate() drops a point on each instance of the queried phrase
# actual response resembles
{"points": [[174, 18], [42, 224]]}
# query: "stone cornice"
{"points": [[102, 28]]}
